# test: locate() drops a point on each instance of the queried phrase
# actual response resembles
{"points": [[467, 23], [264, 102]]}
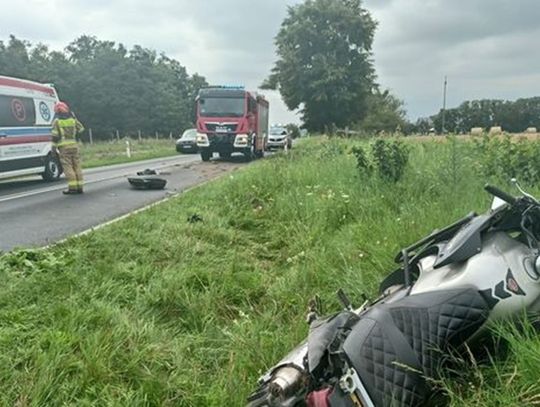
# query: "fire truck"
{"points": [[231, 119]]}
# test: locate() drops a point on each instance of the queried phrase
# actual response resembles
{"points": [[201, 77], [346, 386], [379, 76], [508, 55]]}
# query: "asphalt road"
{"points": [[34, 213]]}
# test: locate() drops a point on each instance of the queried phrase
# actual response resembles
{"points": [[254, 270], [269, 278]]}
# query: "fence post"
{"points": [[139, 134], [157, 137], [117, 135], [128, 149], [170, 135], [90, 135]]}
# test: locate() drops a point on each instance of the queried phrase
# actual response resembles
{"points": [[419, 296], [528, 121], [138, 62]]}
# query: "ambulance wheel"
{"points": [[206, 155], [53, 169]]}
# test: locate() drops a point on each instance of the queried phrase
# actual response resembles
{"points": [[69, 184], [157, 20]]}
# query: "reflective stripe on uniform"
{"points": [[64, 143]]}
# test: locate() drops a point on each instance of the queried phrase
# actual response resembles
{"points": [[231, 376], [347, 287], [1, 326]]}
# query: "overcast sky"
{"points": [[488, 48]]}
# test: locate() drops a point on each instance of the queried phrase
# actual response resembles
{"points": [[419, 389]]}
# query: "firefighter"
{"points": [[65, 128]]}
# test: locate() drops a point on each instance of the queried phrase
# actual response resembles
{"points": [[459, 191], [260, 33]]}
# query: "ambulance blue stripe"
{"points": [[25, 131]]}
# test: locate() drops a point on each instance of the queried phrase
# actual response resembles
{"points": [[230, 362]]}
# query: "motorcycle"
{"points": [[449, 287]]}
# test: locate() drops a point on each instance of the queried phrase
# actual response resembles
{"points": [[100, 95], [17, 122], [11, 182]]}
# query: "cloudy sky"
{"points": [[488, 48]]}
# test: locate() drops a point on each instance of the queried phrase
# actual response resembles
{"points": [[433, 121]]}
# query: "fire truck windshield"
{"points": [[221, 107]]}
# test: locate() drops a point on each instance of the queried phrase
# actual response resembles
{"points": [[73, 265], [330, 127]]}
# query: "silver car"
{"points": [[188, 142], [279, 137]]}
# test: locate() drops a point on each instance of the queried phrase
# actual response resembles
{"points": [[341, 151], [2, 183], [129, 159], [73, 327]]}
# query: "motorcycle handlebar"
{"points": [[500, 194]]}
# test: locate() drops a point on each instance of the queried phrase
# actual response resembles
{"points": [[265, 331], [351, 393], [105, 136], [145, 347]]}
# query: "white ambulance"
{"points": [[26, 114]]}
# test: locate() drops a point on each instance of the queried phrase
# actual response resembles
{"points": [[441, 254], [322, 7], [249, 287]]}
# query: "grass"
{"points": [[158, 311], [114, 152]]}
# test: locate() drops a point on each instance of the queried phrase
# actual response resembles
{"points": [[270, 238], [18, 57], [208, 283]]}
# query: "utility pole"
{"points": [[444, 104]]}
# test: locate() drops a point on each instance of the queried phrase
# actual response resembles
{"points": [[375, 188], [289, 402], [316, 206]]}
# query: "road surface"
{"points": [[34, 213]]}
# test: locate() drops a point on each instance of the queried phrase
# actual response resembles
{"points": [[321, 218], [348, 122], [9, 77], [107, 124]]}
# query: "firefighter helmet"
{"points": [[61, 107]]}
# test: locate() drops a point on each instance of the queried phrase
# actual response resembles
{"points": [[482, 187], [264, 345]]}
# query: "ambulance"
{"points": [[26, 115]]}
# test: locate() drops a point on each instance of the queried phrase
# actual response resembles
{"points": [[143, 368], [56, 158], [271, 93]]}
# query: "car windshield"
{"points": [[222, 107], [278, 131], [190, 134]]}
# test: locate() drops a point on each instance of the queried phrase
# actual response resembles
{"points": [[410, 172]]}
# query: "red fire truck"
{"points": [[231, 119]]}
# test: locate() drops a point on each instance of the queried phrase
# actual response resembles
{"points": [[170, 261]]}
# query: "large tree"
{"points": [[324, 64]]}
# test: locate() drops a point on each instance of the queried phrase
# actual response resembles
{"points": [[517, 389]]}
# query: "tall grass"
{"points": [[159, 311]]}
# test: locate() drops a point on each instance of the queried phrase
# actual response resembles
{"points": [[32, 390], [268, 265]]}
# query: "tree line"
{"points": [[513, 116], [108, 86]]}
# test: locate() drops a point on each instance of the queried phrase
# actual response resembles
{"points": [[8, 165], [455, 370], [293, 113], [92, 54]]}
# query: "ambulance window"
{"points": [[16, 111]]}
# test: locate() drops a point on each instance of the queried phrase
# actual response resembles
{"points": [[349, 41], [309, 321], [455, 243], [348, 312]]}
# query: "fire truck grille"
{"points": [[221, 127], [217, 139]]}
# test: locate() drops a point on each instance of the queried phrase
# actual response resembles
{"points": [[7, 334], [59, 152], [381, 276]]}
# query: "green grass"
{"points": [[114, 152], [158, 311]]}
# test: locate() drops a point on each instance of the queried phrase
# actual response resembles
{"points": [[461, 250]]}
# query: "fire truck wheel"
{"points": [[53, 169], [206, 155]]}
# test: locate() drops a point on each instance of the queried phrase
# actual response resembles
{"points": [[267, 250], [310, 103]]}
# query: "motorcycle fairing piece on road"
{"points": [[449, 287]]}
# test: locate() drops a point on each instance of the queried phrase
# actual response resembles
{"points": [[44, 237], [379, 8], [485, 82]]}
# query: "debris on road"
{"points": [[147, 182]]}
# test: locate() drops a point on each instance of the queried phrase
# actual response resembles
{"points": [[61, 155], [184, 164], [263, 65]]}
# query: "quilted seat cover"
{"points": [[396, 347]]}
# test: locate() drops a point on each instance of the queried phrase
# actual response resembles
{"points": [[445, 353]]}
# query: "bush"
{"points": [[388, 157]]}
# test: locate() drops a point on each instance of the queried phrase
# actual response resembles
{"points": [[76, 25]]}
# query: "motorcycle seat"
{"points": [[396, 348]]}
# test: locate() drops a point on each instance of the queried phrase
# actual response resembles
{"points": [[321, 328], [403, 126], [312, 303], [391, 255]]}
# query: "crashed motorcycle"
{"points": [[449, 287]]}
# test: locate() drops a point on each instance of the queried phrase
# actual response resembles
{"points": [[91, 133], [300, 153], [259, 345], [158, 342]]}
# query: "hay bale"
{"points": [[495, 130], [477, 131], [531, 130]]}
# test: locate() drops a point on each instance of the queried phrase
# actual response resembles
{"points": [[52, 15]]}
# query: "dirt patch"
{"points": [[216, 168]]}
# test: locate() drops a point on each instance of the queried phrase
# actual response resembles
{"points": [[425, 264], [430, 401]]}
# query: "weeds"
{"points": [[505, 158], [388, 157]]}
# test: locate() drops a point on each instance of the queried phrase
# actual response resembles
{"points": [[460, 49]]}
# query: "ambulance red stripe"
{"points": [[15, 83], [7, 141]]}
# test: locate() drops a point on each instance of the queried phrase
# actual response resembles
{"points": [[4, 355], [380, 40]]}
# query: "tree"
{"points": [[324, 62], [385, 113]]}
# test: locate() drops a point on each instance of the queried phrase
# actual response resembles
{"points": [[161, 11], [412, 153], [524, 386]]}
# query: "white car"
{"points": [[279, 137]]}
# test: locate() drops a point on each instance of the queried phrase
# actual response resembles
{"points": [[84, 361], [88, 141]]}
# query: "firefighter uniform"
{"points": [[64, 130]]}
